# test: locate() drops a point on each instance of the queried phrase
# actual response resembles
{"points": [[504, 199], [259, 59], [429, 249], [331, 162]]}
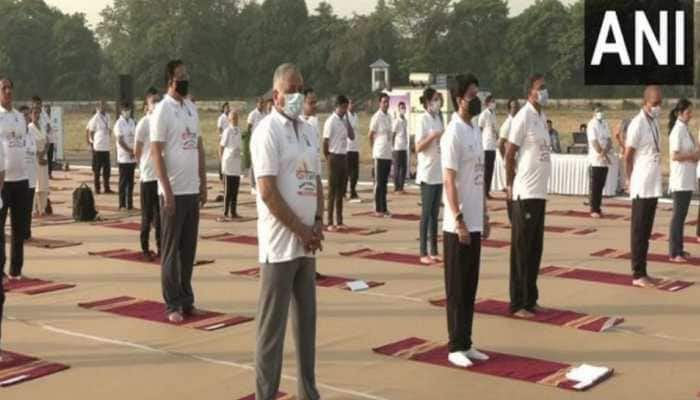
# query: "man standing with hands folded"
{"points": [[287, 163]]}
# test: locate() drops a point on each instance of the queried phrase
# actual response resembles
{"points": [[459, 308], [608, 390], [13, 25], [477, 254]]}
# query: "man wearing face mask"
{"points": [[527, 189], [98, 138], [599, 147], [380, 139], [353, 153], [489, 138], [124, 131], [336, 133], [643, 168], [287, 164], [177, 153], [400, 149]]}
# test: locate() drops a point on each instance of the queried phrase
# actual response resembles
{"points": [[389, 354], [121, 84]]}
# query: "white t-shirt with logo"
{"points": [[336, 131], [13, 133], [126, 130], [429, 169], [597, 130], [400, 130], [101, 126], [143, 135], [30, 158], [353, 145], [529, 132], [381, 125], [683, 173], [231, 159], [644, 135], [293, 157], [487, 124], [463, 153], [176, 125]]}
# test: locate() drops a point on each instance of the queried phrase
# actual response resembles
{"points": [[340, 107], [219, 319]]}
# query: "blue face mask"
{"points": [[293, 105]]}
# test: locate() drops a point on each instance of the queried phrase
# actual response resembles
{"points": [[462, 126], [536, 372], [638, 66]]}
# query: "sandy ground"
{"points": [[656, 352]]}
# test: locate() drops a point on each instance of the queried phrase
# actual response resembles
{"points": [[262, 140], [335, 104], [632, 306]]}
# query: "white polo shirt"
{"points": [[293, 158], [429, 169], [353, 145], [13, 133], [400, 129], [231, 159], [126, 130], [101, 126], [255, 117], [143, 135], [30, 155], [597, 130], [222, 122], [176, 125], [505, 128], [381, 125], [644, 135], [529, 132], [336, 131], [489, 132], [463, 153], [683, 175], [313, 121]]}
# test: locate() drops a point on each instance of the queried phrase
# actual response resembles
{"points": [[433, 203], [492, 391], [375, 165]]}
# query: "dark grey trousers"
{"points": [[179, 246], [527, 238], [462, 265], [681, 202], [281, 283], [643, 214], [431, 196]]}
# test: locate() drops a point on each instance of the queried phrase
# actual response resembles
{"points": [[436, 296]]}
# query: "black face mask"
{"points": [[182, 88], [474, 107]]}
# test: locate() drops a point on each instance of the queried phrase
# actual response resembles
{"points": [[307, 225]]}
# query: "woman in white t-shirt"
{"points": [[125, 132], [41, 164], [230, 153], [682, 183], [400, 149], [221, 124], [429, 173]]}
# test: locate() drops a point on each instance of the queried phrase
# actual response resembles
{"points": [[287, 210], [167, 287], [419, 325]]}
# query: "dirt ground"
{"points": [[655, 352]]}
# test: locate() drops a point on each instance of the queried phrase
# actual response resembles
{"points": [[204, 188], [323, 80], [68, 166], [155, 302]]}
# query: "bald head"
{"points": [[286, 80], [652, 96]]}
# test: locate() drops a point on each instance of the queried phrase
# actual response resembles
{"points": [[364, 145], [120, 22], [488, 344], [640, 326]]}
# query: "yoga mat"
{"points": [[132, 226], [116, 209], [565, 318], [400, 217], [32, 287], [653, 257], [327, 281], [280, 396], [357, 231], [554, 229], [589, 275], [18, 368], [154, 311], [402, 258], [129, 255], [500, 365], [231, 238], [53, 219], [220, 218], [583, 214], [662, 237], [50, 243], [628, 206]]}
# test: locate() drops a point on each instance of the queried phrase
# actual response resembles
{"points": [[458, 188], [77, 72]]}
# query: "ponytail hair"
{"points": [[428, 94], [683, 104]]}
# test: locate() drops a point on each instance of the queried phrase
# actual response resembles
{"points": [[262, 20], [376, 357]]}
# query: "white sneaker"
{"points": [[460, 359], [474, 354]]}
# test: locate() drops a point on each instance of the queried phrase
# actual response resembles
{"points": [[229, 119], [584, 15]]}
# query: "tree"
{"points": [[422, 25]]}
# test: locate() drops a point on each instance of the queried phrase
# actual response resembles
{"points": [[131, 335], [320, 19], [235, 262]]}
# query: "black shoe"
{"points": [[108, 191]]}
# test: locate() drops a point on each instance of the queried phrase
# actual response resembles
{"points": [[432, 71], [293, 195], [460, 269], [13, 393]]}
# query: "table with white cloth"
{"points": [[570, 175]]}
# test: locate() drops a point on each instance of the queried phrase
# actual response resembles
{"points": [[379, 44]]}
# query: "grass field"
{"points": [[565, 121]]}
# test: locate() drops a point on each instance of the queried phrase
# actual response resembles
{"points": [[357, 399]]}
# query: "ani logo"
{"points": [[638, 42]]}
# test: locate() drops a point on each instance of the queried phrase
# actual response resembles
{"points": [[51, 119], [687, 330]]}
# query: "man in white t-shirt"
{"points": [[310, 109], [46, 128], [489, 139], [353, 153], [513, 108], [336, 133], [230, 154], [177, 152], [15, 191], [599, 148], [287, 162], [526, 185], [150, 204], [400, 149], [31, 160], [124, 132], [643, 168], [99, 138], [380, 138], [221, 124], [254, 118]]}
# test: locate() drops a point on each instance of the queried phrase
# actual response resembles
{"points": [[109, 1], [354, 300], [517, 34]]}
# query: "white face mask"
{"points": [[126, 114], [543, 97], [656, 112], [599, 116], [435, 106], [293, 105]]}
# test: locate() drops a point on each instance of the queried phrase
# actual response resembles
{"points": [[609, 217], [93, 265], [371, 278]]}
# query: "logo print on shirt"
{"points": [[306, 178], [189, 140]]}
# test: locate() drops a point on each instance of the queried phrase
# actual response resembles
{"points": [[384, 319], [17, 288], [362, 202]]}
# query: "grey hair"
{"points": [[283, 71]]}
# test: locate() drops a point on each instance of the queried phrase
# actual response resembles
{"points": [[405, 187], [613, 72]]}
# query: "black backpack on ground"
{"points": [[84, 204]]}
